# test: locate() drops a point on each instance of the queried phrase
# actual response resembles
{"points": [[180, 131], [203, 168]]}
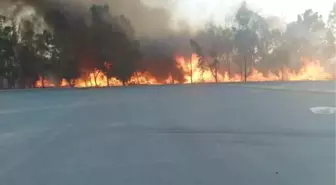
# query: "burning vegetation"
{"points": [[311, 70], [73, 44]]}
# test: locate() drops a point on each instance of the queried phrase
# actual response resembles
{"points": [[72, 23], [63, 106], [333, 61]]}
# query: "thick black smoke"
{"points": [[147, 21], [127, 23]]}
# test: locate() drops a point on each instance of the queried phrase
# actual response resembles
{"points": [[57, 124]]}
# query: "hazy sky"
{"points": [[195, 10]]}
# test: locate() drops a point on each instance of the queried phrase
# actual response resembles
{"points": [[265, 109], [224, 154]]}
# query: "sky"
{"points": [[199, 11]]}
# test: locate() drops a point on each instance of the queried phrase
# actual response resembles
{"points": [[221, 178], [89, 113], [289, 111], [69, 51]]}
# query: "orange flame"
{"points": [[310, 70]]}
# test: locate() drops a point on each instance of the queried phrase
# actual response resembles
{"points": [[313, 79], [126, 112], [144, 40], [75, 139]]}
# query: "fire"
{"points": [[194, 74], [310, 70], [96, 79]]}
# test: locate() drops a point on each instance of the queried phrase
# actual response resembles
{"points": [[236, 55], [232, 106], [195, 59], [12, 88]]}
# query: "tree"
{"points": [[8, 67], [68, 45], [42, 45], [29, 64], [201, 57], [114, 42], [303, 37], [330, 44], [217, 43], [228, 35], [243, 16], [332, 19], [124, 68], [250, 37]]}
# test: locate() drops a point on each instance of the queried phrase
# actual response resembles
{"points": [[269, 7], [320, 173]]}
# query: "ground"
{"points": [[253, 134]]}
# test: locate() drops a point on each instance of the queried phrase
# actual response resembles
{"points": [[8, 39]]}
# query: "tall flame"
{"points": [[310, 70]]}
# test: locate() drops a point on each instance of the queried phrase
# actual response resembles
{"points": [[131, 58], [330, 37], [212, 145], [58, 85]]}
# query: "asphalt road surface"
{"points": [[168, 135]]}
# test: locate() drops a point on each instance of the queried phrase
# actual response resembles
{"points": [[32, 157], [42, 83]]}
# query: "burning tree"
{"points": [[8, 65], [44, 44], [113, 42]]}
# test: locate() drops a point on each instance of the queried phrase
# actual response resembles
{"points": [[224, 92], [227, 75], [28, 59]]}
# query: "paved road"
{"points": [[172, 135], [322, 86]]}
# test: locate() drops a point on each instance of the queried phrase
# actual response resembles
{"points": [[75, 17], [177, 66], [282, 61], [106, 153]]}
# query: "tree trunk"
{"points": [[107, 81], [217, 69], [71, 83], [245, 70], [283, 74], [214, 73], [95, 78], [228, 60], [1, 82], [22, 80], [191, 70], [137, 77], [86, 81], [42, 81], [10, 82], [242, 71]]}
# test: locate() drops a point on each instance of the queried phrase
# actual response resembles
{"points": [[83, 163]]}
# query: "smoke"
{"points": [[151, 25], [159, 56], [146, 20], [153, 21]]}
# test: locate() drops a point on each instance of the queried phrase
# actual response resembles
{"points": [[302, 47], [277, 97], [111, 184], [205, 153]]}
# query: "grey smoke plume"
{"points": [[146, 20], [151, 26]]}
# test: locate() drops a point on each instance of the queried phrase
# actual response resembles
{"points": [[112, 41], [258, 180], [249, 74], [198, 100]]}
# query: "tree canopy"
{"points": [[53, 45]]}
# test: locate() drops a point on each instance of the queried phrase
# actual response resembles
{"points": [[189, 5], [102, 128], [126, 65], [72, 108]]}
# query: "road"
{"points": [[322, 86], [167, 135]]}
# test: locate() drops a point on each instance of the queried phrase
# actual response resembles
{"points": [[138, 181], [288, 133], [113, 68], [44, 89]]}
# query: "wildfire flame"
{"points": [[310, 70]]}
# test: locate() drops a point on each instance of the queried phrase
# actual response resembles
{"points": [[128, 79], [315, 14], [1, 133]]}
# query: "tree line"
{"points": [[64, 49], [253, 41], [51, 45]]}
